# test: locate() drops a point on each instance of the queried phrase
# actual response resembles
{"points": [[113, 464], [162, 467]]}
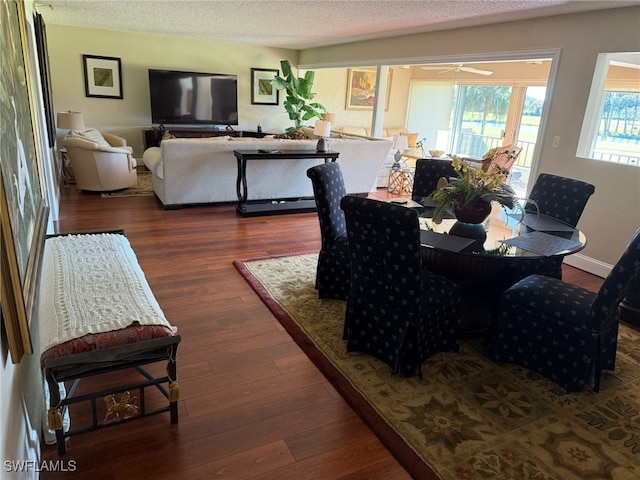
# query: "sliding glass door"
{"points": [[475, 116], [488, 116], [479, 118]]}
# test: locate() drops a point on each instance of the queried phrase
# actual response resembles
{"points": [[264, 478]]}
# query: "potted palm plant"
{"points": [[298, 95]]}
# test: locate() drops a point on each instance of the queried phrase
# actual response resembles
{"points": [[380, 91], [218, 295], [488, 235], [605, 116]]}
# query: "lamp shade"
{"points": [[400, 142], [329, 117], [322, 128], [70, 121]]}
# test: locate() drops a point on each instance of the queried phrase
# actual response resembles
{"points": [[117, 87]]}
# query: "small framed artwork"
{"points": [[102, 77], [361, 89], [262, 92]]}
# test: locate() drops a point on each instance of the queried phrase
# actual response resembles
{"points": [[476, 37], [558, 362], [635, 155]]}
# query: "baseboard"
{"points": [[588, 264]]}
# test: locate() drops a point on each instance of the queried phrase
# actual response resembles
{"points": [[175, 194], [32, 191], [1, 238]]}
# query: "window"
{"points": [[611, 128]]}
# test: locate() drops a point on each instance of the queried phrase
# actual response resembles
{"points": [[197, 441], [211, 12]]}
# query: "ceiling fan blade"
{"points": [[475, 70], [439, 68]]}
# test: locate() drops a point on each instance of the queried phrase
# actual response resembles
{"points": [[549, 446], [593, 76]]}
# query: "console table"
{"points": [[247, 209]]}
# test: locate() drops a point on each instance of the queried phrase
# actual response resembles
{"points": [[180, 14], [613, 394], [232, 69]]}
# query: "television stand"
{"points": [[153, 136]]}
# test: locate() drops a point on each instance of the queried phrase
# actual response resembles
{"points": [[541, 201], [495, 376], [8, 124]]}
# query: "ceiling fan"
{"points": [[458, 67]]}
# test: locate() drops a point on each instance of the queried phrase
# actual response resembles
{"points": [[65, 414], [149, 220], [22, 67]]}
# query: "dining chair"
{"points": [[428, 172], [397, 311], [561, 198], [562, 331], [333, 274]]}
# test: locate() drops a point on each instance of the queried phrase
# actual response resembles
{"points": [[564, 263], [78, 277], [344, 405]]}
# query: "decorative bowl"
{"points": [[436, 153]]}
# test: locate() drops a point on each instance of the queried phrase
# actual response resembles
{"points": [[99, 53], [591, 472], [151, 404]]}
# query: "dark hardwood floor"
{"points": [[252, 406]]}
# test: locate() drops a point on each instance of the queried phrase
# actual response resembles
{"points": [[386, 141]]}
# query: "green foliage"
{"points": [[298, 90], [473, 185]]}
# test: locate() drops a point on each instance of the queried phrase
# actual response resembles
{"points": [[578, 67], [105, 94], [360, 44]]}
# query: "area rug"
{"points": [[468, 418], [144, 188]]}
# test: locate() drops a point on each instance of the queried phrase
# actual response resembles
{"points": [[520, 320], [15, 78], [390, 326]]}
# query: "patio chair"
{"points": [[503, 157]]}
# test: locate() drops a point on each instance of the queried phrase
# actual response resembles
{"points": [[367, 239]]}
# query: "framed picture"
{"points": [[23, 214], [102, 77], [262, 92], [361, 89], [43, 61]]}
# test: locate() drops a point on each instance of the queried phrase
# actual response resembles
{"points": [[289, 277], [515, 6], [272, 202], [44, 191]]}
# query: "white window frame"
{"points": [[595, 106]]}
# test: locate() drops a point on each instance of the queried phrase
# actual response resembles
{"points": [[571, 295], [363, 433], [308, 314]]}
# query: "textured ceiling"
{"points": [[300, 24]]}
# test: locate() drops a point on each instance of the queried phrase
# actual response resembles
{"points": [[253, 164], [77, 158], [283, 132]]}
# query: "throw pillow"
{"points": [[354, 131], [92, 135]]}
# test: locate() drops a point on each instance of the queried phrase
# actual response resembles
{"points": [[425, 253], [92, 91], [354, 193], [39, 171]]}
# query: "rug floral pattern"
{"points": [[470, 418]]}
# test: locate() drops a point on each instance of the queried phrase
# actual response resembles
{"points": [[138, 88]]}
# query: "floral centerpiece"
{"points": [[470, 195]]}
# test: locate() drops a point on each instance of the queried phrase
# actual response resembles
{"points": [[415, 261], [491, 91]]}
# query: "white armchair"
{"points": [[100, 162]]}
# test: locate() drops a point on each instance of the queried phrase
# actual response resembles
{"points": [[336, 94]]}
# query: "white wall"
{"points": [[429, 110], [613, 212], [140, 52], [331, 86]]}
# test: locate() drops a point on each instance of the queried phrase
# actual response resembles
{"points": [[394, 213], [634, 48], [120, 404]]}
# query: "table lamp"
{"points": [[400, 143], [70, 121], [329, 117], [323, 130]]}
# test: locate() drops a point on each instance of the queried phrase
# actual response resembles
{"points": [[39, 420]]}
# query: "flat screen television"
{"points": [[192, 98]]}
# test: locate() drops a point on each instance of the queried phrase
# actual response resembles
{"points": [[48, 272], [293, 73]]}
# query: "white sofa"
{"points": [[188, 171], [388, 133]]}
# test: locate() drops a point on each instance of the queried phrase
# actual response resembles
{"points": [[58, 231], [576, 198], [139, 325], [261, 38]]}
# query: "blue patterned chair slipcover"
{"points": [[561, 198], [428, 172], [333, 275], [562, 331], [397, 311]]}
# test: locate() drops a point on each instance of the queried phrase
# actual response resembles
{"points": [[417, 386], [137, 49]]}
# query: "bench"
{"points": [[96, 315]]}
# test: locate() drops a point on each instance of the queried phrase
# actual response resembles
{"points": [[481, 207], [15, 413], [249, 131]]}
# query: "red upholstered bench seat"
{"points": [[97, 341]]}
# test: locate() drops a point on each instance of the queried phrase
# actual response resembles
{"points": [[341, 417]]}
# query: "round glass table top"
{"points": [[504, 233]]}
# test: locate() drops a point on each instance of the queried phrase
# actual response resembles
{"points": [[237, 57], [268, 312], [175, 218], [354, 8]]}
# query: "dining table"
{"points": [[477, 257]]}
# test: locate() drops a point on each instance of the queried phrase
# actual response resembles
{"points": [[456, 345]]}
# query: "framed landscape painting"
{"points": [[361, 89]]}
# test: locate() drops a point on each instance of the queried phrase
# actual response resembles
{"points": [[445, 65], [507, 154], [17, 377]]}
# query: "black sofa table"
{"points": [[275, 207]]}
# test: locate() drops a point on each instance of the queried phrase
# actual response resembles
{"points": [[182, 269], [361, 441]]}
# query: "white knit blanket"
{"points": [[90, 284]]}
